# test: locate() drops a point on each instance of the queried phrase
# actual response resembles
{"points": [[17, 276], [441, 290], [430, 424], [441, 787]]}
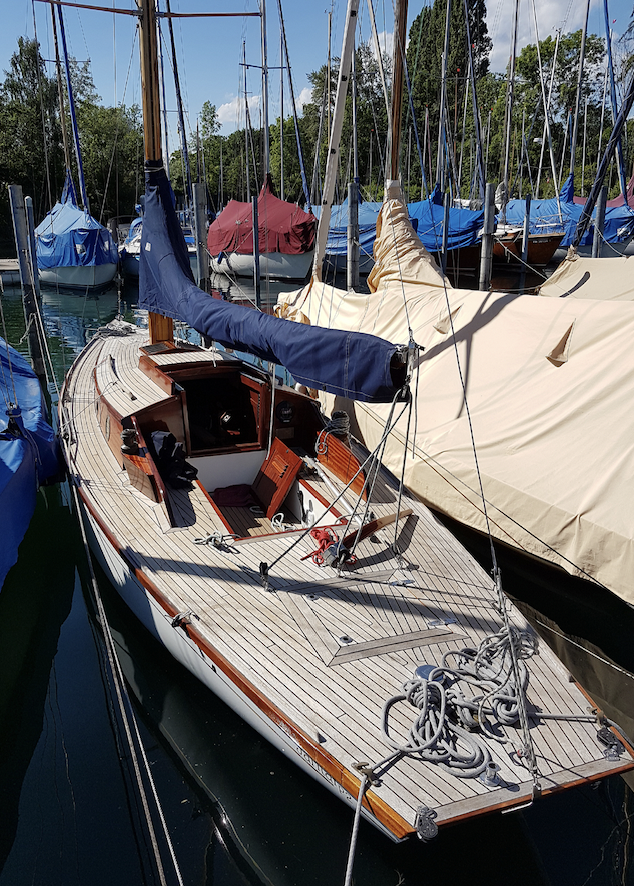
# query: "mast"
{"points": [[440, 166], [281, 115], [510, 86], [73, 116], [160, 328], [246, 121], [265, 89], [335, 136], [476, 109], [394, 134], [179, 105], [60, 91], [575, 119], [619, 147], [165, 128]]}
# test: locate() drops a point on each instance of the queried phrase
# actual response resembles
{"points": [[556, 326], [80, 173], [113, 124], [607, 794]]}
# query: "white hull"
{"points": [[130, 265], [78, 277], [158, 623], [272, 264]]}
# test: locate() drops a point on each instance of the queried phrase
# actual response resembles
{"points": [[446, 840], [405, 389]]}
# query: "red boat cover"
{"points": [[617, 201], [282, 227]]}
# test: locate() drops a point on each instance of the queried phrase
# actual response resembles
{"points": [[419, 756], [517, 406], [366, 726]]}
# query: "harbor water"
{"points": [[237, 811]]}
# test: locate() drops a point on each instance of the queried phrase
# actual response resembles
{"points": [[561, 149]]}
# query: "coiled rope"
{"points": [[442, 730]]}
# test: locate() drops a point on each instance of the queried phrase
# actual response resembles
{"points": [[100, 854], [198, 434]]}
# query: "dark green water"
{"points": [[237, 811]]}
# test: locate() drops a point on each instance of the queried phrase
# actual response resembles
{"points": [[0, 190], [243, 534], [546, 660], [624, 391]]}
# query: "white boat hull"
{"points": [[130, 265], [79, 277], [272, 264], [159, 623]]}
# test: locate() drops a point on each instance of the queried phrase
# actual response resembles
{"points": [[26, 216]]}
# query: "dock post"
{"points": [[486, 257], [352, 266], [200, 230], [30, 223], [527, 226], [256, 250], [599, 221], [28, 272]]}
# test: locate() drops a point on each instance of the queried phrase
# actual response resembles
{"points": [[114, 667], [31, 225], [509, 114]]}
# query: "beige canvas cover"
{"points": [[549, 385], [594, 278]]}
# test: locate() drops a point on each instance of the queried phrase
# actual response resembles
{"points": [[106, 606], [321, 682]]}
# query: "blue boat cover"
{"points": [[71, 237], [354, 365], [337, 243], [427, 216], [545, 217], [29, 451]]}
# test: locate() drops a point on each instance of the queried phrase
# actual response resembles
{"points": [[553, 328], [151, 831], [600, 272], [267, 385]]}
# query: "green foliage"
{"points": [[31, 152], [31, 144], [29, 131]]}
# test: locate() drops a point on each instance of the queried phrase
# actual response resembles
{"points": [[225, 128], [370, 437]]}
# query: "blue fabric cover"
{"points": [[427, 216], [618, 225], [338, 232], [70, 237], [29, 451], [352, 365]]}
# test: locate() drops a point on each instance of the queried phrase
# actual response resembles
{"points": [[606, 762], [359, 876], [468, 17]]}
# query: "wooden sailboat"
{"points": [[295, 576]]}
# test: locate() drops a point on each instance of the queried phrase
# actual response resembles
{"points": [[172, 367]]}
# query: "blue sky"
{"points": [[209, 51]]}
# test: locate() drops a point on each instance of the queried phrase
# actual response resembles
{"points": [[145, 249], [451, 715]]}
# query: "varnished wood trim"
{"points": [[374, 526], [215, 507], [384, 813], [156, 374]]}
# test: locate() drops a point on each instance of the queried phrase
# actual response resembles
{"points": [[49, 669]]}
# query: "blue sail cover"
{"points": [[427, 216], [354, 365], [29, 451], [71, 237], [545, 217]]}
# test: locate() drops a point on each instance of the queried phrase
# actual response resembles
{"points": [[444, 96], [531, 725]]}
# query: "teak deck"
{"points": [[311, 661]]}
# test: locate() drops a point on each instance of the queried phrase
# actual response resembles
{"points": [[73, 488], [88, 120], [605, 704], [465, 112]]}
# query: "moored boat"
{"points": [[295, 576], [285, 233], [29, 451]]}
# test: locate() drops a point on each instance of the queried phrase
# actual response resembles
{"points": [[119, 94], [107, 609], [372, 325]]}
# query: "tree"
{"points": [[424, 61], [30, 136]]}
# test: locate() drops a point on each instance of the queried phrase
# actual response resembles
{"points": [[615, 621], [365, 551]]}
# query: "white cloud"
{"points": [[386, 42], [231, 113], [551, 16], [303, 98]]}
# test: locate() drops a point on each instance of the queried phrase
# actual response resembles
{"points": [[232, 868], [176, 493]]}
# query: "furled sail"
{"points": [[354, 365]]}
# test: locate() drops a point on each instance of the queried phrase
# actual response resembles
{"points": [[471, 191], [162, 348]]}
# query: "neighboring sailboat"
{"points": [[29, 451], [130, 249], [288, 570], [285, 232], [73, 249], [547, 214], [286, 237]]}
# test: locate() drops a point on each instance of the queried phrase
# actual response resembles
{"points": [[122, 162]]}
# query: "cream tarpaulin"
{"points": [[594, 278], [550, 383]]}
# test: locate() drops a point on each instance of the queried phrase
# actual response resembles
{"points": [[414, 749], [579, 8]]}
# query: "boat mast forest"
{"points": [[32, 155]]}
